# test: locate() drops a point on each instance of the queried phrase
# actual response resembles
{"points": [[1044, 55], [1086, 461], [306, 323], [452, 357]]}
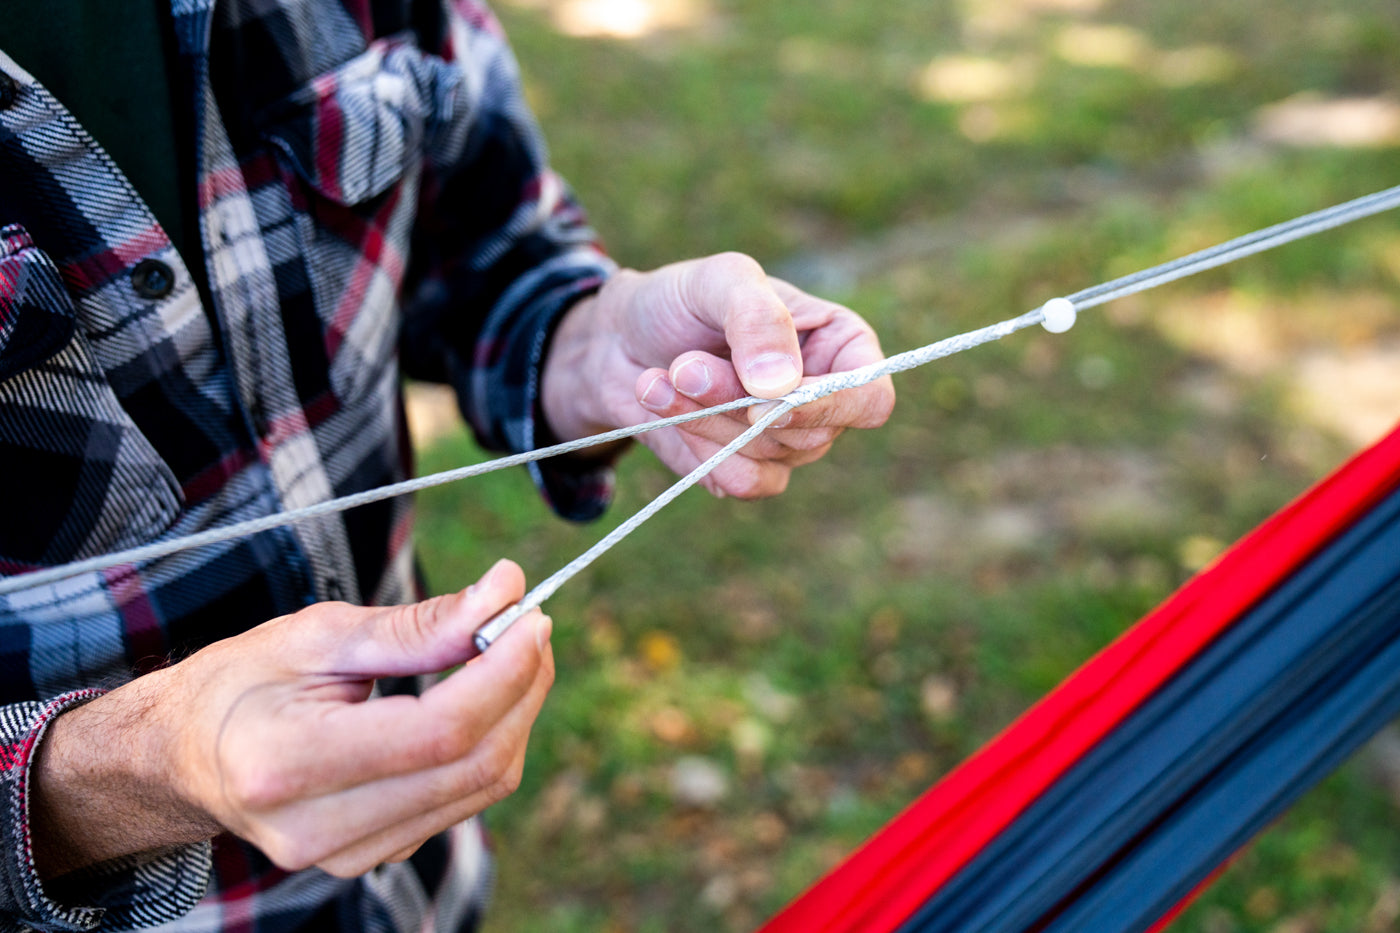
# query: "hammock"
{"points": [[1121, 793]]}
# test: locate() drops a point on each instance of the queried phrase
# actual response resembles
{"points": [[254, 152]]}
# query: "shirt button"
{"points": [[9, 90], [334, 591], [152, 278]]}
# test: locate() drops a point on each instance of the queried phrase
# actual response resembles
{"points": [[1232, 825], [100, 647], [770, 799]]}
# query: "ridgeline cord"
{"points": [[1056, 315]]}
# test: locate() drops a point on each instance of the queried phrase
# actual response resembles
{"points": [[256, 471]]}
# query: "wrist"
{"points": [[584, 346], [563, 397]]}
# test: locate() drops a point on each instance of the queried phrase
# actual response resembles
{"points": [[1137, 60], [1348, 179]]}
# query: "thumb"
{"points": [[432, 635], [732, 293]]}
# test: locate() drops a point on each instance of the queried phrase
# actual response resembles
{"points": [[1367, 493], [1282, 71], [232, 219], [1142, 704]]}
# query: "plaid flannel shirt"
{"points": [[373, 195]]}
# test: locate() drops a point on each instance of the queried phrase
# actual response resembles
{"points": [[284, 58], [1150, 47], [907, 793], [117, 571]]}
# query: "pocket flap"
{"points": [[352, 132], [36, 311]]}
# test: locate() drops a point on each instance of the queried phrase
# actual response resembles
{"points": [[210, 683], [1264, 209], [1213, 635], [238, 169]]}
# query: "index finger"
{"points": [[355, 743], [867, 406]]}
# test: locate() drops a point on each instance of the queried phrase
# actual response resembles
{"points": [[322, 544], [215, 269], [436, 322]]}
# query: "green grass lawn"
{"points": [[748, 690]]}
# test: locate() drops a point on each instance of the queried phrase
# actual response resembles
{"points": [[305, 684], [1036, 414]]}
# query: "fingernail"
{"points": [[757, 412], [693, 378], [543, 628], [659, 394], [772, 372]]}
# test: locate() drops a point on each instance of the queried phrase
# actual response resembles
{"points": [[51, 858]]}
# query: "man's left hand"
{"points": [[698, 333]]}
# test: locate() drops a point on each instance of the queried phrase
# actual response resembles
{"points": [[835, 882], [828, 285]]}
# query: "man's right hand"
{"points": [[274, 735]]}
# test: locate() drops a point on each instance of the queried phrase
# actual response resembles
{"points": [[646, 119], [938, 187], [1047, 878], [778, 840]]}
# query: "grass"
{"points": [[827, 654]]}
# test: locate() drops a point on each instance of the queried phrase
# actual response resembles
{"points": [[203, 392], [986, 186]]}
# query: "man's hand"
{"points": [[698, 333], [274, 735]]}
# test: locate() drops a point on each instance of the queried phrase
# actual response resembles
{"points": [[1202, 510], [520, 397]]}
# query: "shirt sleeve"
{"points": [[500, 252], [123, 894]]}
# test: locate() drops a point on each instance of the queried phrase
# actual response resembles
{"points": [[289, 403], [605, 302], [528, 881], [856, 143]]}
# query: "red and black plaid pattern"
{"points": [[373, 199], [36, 316], [100, 484]]}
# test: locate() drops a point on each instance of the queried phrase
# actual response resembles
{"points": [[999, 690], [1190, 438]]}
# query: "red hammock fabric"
{"points": [[895, 872]]}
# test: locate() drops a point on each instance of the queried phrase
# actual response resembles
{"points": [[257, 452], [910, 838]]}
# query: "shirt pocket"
{"points": [[80, 477], [36, 318], [354, 141], [354, 132]]}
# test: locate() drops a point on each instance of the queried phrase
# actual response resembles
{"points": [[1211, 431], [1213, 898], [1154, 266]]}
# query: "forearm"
{"points": [[587, 344], [81, 823], [101, 786]]}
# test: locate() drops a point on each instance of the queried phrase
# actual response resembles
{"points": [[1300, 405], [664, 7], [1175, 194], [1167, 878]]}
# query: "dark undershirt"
{"points": [[111, 64]]}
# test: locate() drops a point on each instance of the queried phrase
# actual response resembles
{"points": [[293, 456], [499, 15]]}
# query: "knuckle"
{"points": [[348, 867], [886, 407], [739, 274], [521, 676], [501, 761], [404, 855], [409, 629], [482, 773], [447, 741], [508, 782], [759, 314], [252, 786], [752, 480], [444, 785], [316, 612], [782, 449], [778, 485], [496, 775], [732, 263], [742, 478], [814, 439], [765, 447], [289, 852], [881, 406]]}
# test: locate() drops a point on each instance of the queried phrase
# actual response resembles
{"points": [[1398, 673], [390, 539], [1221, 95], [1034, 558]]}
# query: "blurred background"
{"points": [[748, 690]]}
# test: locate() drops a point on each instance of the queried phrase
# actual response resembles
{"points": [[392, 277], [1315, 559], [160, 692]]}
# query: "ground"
{"points": [[747, 690]]}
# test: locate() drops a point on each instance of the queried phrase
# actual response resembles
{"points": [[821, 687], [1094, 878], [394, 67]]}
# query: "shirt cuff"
{"points": [[122, 894], [507, 414]]}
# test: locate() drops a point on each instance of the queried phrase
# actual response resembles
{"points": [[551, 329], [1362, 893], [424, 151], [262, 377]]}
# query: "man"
{"points": [[225, 229]]}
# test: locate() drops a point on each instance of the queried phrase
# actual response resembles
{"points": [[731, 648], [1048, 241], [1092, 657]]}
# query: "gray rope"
{"points": [[1251, 243], [223, 533], [1230, 251], [812, 391], [547, 587]]}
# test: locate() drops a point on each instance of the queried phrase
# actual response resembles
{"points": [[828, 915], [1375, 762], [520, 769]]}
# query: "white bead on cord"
{"points": [[1059, 315]]}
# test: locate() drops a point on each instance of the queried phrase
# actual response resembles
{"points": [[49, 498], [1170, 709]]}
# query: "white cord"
{"points": [[1057, 315]]}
